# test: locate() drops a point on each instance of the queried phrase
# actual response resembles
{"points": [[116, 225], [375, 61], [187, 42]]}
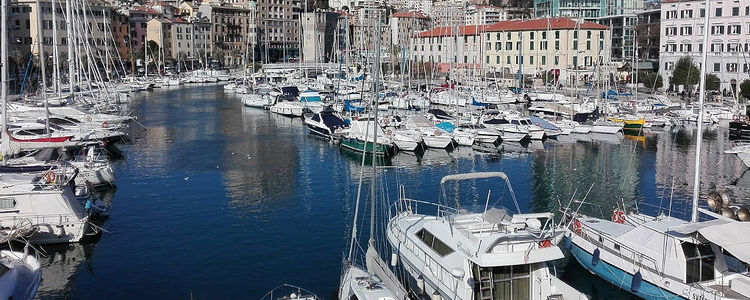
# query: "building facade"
{"points": [[682, 30], [531, 46], [278, 28], [232, 31]]}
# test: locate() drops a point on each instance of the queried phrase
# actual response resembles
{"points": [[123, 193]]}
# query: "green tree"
{"points": [[713, 83], [745, 89], [685, 73], [651, 80]]}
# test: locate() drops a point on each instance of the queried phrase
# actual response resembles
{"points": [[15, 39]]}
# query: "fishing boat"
{"points": [[359, 138], [20, 275], [488, 254]]}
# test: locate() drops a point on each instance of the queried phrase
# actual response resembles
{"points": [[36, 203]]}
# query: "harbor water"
{"points": [[220, 201]]}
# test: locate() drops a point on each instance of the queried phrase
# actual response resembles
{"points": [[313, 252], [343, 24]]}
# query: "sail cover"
{"points": [[734, 237]]}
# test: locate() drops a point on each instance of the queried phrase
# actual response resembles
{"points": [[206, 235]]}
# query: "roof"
{"points": [[733, 237], [410, 14], [514, 25], [144, 9]]}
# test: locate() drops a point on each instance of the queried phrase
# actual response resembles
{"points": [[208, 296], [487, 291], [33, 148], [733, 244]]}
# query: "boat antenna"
{"points": [[374, 107], [701, 98]]}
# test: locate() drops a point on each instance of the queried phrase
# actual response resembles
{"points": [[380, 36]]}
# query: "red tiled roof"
{"points": [[145, 9], [514, 25], [410, 14]]}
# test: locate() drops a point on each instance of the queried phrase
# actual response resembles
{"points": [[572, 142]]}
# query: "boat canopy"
{"points": [[734, 237]]}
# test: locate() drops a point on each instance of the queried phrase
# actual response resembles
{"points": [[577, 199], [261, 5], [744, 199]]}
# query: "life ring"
{"points": [[390, 132], [735, 118], [49, 177], [104, 124], [438, 133], [387, 121], [545, 244], [577, 227], [618, 216], [746, 118]]}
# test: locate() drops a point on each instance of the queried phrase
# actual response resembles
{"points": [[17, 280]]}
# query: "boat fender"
{"points": [[635, 285], [438, 133], [567, 242], [104, 124], [545, 244], [49, 177], [595, 258], [436, 296], [735, 118], [618, 216], [394, 259], [577, 227], [420, 284]]}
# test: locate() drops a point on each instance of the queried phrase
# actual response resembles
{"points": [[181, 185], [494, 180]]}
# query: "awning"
{"points": [[690, 228], [734, 237]]}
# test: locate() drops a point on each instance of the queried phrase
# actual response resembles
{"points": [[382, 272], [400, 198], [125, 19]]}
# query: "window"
{"points": [[531, 45], [718, 12], [588, 34], [506, 282], [672, 14], [544, 35], [733, 47], [575, 61], [732, 67], [7, 204], [735, 11], [717, 67], [508, 46], [588, 45], [686, 14], [671, 47], [557, 34], [497, 59], [702, 12], [557, 45], [668, 66], [557, 60], [575, 45], [717, 47], [686, 30], [543, 45], [699, 264], [498, 36], [508, 36], [575, 34], [498, 46], [686, 47], [717, 29], [544, 60], [532, 35], [734, 29], [507, 60], [671, 31], [531, 60]]}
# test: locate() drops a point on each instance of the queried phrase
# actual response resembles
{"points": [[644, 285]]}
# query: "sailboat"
{"points": [[663, 257], [20, 275], [374, 281]]}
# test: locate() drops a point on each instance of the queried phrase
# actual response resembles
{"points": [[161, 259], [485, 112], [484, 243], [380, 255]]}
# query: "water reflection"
{"points": [[59, 268]]}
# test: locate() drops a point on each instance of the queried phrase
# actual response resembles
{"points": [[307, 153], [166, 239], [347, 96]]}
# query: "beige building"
{"points": [[537, 46], [232, 31], [160, 31], [24, 34]]}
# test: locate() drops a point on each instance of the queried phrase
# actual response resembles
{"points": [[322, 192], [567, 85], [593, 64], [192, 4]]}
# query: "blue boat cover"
{"points": [[542, 123], [349, 107], [475, 103], [447, 126]]}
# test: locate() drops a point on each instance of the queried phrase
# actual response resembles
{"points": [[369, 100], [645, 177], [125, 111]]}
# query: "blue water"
{"points": [[218, 201]]}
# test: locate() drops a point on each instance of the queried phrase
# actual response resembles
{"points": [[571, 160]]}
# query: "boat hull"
{"points": [[361, 146], [618, 277]]}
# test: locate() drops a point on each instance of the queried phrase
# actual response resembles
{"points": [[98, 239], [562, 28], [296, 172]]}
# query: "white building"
{"points": [[682, 32]]}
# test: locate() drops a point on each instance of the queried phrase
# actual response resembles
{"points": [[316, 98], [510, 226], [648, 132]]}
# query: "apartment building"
{"points": [[682, 29]]}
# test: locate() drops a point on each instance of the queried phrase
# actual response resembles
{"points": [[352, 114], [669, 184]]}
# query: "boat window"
{"points": [[59, 121], [7, 203], [436, 244], [699, 264], [502, 283], [514, 122]]}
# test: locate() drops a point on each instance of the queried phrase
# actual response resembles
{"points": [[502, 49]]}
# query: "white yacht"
{"points": [[493, 254], [433, 136], [46, 203], [20, 275], [257, 100]]}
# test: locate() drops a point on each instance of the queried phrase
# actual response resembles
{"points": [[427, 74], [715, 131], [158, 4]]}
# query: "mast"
{"points": [[4, 77], [42, 63], [55, 54], [69, 27], [701, 98], [373, 180]]}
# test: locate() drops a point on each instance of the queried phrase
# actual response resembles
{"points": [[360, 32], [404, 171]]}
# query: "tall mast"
{"points": [[55, 54], [69, 27], [701, 98], [4, 77], [42, 62], [373, 180]]}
